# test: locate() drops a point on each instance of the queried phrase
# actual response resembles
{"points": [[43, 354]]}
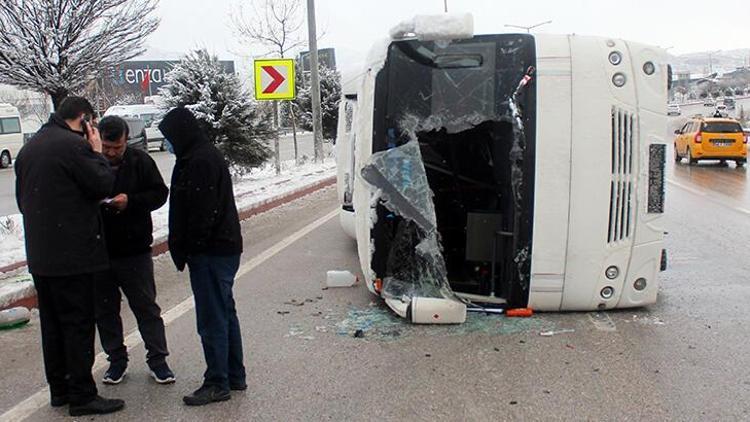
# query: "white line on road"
{"points": [[40, 399]]}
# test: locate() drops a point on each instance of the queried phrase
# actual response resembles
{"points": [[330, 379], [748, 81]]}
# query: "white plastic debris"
{"points": [[556, 332], [340, 279], [435, 27], [14, 317]]}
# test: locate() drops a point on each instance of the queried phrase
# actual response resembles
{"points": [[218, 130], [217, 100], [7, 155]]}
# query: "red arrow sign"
{"points": [[278, 79]]}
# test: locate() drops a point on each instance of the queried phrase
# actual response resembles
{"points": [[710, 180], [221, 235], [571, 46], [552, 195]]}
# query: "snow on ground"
{"points": [[254, 188]]}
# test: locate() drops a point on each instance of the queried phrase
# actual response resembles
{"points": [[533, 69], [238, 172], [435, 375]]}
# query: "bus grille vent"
{"points": [[621, 194]]}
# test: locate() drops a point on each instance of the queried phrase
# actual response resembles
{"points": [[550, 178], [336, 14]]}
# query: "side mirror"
{"points": [[678, 132]]}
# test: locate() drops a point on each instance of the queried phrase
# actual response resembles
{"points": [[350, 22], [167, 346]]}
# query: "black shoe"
{"points": [[98, 406], [205, 395], [58, 401], [238, 386], [162, 374], [115, 374]]}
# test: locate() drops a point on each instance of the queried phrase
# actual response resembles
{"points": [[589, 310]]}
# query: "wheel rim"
{"points": [[5, 159]]}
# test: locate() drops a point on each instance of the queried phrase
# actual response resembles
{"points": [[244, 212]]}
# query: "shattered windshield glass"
{"points": [[449, 141]]}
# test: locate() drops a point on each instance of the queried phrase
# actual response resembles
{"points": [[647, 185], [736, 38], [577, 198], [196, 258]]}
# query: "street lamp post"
{"points": [[528, 28]]}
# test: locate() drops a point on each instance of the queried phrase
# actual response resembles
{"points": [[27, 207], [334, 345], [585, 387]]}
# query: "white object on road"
{"points": [[340, 279], [14, 317], [556, 332], [432, 310]]}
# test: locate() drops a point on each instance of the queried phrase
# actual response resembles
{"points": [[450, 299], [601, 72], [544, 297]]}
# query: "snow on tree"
{"points": [[330, 96], [234, 121], [58, 46]]}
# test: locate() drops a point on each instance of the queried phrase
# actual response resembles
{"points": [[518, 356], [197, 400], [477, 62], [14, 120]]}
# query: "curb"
{"points": [[160, 245]]}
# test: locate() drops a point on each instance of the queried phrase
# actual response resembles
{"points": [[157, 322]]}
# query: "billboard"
{"points": [[325, 55], [130, 75]]}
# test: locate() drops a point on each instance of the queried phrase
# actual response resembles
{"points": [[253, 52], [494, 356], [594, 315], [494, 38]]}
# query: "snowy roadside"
{"points": [[252, 189]]}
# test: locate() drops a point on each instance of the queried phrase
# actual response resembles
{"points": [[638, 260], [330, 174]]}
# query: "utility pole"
{"points": [[445, 3], [312, 39]]}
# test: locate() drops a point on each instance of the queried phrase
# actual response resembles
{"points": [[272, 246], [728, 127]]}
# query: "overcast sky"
{"points": [[352, 25]]}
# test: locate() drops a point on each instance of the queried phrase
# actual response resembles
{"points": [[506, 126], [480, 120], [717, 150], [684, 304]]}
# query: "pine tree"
{"points": [[330, 96], [234, 121]]}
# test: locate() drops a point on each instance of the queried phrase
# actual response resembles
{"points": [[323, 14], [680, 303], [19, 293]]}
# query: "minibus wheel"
{"points": [[690, 158], [5, 160], [677, 157]]}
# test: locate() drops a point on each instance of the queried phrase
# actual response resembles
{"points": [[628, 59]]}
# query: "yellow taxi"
{"points": [[711, 139]]}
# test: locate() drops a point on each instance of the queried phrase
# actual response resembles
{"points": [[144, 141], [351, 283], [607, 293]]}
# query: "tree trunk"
{"points": [[294, 133], [57, 97]]}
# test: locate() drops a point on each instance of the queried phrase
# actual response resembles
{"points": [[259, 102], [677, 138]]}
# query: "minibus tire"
{"points": [[677, 157], [740, 163], [5, 160]]}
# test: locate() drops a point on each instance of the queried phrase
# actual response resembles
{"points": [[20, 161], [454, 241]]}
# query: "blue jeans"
{"points": [[212, 278]]}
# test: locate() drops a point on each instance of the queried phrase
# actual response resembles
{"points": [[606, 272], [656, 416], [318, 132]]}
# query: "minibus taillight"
{"points": [[698, 138], [746, 138]]}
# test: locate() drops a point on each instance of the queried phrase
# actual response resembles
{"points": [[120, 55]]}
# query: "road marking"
{"points": [[40, 399], [687, 188]]}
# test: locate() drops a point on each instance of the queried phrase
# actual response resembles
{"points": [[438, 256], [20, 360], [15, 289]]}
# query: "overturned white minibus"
{"points": [[506, 170]]}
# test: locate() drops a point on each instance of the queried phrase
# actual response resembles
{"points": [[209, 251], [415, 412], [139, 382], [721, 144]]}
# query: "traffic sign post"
{"points": [[274, 80]]}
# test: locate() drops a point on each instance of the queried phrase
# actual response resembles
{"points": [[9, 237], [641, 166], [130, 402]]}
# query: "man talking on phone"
{"points": [[61, 176], [139, 189]]}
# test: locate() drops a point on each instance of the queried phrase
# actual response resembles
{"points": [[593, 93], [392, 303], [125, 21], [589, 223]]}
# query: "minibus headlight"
{"points": [[612, 272], [640, 284], [619, 79], [607, 293], [615, 58], [649, 68]]}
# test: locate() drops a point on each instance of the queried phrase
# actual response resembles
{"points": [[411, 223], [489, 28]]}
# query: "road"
{"points": [[165, 162], [684, 358]]}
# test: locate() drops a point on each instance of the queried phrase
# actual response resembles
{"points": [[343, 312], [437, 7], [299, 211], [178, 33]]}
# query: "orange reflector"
{"points": [[378, 285], [519, 312]]}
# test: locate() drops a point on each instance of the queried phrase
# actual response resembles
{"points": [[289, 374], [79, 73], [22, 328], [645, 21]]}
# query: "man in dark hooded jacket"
{"points": [[204, 233], [60, 180]]}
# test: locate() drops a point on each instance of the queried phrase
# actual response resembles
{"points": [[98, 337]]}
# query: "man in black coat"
{"points": [[138, 190], [204, 233], [60, 179]]}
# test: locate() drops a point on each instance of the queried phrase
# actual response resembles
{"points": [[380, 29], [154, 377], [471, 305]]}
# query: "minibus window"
{"points": [[10, 125]]}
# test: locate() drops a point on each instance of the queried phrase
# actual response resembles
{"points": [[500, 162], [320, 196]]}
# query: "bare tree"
{"points": [[275, 25], [59, 46]]}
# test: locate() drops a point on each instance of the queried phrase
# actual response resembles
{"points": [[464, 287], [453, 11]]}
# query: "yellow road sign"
{"points": [[274, 79]]}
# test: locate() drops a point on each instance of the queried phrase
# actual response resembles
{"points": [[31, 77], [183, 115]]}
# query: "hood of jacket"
{"points": [[182, 130]]}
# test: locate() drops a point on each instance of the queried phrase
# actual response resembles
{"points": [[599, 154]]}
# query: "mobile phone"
{"points": [[85, 125]]}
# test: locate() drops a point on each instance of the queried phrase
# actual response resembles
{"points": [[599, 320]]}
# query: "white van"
{"points": [[11, 135], [151, 116]]}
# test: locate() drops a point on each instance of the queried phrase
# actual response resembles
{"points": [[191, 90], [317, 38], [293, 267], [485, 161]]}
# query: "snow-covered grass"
{"points": [[254, 188]]}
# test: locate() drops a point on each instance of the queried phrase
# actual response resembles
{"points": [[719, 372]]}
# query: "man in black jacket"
{"points": [[60, 179], [138, 190], [204, 233]]}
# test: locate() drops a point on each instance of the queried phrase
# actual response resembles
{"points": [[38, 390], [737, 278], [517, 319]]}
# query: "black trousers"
{"points": [[66, 314], [135, 276]]}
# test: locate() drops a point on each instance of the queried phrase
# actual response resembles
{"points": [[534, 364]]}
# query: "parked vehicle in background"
{"points": [[673, 110], [154, 135], [709, 102], [730, 103], [137, 133], [149, 114], [11, 135], [711, 139]]}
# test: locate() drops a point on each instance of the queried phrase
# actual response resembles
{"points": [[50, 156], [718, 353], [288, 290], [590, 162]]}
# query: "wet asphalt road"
{"points": [[165, 162], [685, 358]]}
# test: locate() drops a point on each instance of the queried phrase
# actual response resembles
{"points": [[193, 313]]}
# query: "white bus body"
{"points": [[11, 134], [584, 227]]}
